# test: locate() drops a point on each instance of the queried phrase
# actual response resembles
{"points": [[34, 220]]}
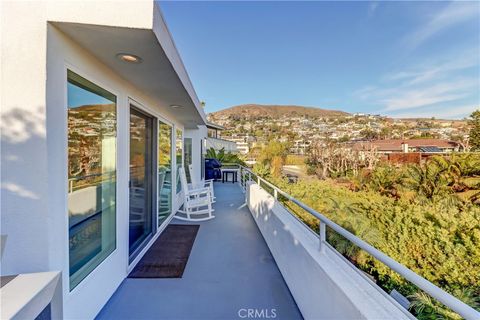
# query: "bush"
{"points": [[436, 238]]}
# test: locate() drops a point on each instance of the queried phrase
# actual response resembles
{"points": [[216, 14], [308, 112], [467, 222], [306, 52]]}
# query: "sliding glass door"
{"points": [[141, 180], [187, 158], [164, 171], [179, 157]]}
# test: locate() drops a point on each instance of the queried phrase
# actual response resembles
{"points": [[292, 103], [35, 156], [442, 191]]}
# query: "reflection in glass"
{"points": [[179, 154], [141, 165], [92, 131], [202, 157], [187, 158], [164, 171]]}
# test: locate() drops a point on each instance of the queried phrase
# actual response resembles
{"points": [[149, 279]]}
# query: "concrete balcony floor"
{"points": [[230, 269]]}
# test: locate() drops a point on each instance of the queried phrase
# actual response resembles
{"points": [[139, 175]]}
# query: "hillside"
{"points": [[95, 108], [247, 111]]}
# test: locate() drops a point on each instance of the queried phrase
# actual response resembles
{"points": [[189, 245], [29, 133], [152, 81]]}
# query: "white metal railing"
{"points": [[218, 144], [447, 299]]}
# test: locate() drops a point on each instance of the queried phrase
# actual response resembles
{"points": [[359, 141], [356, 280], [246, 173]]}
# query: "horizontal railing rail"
{"points": [[72, 180], [444, 297], [92, 175]]}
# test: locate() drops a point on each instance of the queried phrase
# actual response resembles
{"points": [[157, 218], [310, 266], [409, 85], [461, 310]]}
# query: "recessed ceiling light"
{"points": [[175, 106], [130, 58]]}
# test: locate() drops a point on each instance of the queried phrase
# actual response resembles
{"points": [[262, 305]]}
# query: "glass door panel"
{"points": [[164, 171], [187, 158], [141, 179], [179, 157]]}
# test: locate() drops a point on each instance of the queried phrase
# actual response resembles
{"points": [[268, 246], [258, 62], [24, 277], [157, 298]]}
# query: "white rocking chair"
{"points": [[205, 184], [197, 205]]}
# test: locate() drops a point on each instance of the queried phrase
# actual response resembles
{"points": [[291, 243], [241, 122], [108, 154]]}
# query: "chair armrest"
{"points": [[198, 191], [208, 183]]}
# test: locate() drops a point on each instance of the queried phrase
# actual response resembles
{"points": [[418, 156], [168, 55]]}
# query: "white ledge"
{"points": [[27, 295]]}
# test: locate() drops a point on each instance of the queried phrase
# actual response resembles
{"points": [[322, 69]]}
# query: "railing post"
{"points": [[258, 180], [241, 177], [275, 194], [244, 181], [323, 236]]}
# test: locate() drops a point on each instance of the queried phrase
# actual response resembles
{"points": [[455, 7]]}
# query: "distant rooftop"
{"points": [[396, 144], [212, 125]]}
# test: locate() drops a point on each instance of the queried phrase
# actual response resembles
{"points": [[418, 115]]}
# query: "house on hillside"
{"points": [[407, 151], [409, 145], [216, 142]]}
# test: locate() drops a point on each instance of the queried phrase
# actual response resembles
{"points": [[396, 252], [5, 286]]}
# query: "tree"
{"points": [[369, 134], [273, 156], [224, 157], [386, 133], [474, 135], [345, 138], [427, 308], [331, 159]]}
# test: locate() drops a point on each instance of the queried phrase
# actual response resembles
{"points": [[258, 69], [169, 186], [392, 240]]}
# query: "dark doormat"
{"points": [[168, 255]]}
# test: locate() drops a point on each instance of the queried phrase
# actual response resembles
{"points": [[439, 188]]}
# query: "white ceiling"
{"points": [[155, 75]]}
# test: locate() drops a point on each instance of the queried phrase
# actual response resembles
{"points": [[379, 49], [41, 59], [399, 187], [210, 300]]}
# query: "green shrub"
{"points": [[438, 238]]}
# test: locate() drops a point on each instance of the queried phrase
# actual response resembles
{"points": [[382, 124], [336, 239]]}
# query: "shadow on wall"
{"points": [[263, 212], [24, 183], [22, 133]]}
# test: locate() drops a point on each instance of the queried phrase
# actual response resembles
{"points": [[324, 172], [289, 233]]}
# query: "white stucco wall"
{"points": [[24, 156], [324, 285], [196, 135], [34, 59]]}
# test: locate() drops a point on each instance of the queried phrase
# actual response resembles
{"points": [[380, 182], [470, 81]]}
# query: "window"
{"points": [[164, 171], [179, 155], [202, 157], [212, 133], [187, 158], [92, 123]]}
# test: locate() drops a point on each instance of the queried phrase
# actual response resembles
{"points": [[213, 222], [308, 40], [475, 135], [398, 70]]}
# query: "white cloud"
{"points": [[409, 97], [439, 69], [454, 112], [372, 7], [441, 83], [454, 13]]}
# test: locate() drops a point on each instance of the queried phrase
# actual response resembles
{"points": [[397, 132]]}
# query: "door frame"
{"points": [[167, 220], [153, 182], [130, 264]]}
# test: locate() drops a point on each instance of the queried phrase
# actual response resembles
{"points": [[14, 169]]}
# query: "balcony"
{"points": [[257, 260], [230, 269], [218, 144]]}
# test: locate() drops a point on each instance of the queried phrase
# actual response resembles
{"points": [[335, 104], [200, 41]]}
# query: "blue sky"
{"points": [[78, 97], [401, 59]]}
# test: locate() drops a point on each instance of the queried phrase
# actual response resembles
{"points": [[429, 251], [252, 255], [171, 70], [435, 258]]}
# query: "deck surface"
{"points": [[230, 270]]}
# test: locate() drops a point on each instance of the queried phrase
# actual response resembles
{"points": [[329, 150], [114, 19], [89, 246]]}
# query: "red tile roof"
{"points": [[396, 144]]}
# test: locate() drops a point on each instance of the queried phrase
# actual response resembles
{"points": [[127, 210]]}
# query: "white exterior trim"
{"points": [[35, 186]]}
